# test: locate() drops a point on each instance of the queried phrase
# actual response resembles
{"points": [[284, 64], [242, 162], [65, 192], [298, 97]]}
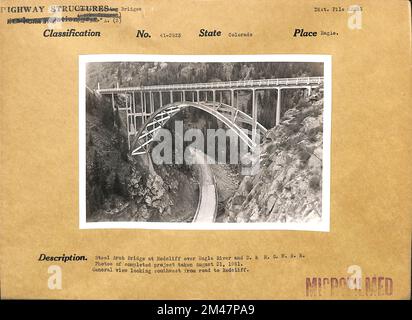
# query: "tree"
{"points": [[91, 103], [107, 117], [90, 141], [124, 149], [96, 169], [117, 120], [119, 75], [117, 185]]}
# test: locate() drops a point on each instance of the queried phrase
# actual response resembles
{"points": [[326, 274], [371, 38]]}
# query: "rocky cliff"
{"points": [[288, 186]]}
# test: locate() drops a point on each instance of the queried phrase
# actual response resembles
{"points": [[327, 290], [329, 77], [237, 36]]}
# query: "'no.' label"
{"points": [[143, 34]]}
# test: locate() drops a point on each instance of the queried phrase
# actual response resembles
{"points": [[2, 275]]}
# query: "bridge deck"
{"points": [[224, 85]]}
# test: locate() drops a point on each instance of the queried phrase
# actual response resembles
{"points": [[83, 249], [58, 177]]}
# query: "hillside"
{"points": [[288, 187]]}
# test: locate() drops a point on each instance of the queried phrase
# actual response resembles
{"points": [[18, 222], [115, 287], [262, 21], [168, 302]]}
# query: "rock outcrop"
{"points": [[150, 199], [288, 186]]}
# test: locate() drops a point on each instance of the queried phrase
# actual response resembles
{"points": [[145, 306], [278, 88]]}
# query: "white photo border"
{"points": [[323, 226]]}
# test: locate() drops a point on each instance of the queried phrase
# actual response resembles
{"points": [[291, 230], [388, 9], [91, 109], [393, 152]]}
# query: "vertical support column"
{"points": [[134, 113], [198, 95], [133, 103], [220, 96], [151, 102], [141, 106], [232, 102], [235, 103], [182, 96], [171, 96], [278, 106], [254, 116], [214, 96], [308, 91], [145, 108], [128, 121], [193, 96], [144, 104], [113, 101], [161, 99], [131, 113], [141, 102]]}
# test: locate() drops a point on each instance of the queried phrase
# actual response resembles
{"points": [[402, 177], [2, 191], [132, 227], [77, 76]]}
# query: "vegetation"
{"points": [[107, 160]]}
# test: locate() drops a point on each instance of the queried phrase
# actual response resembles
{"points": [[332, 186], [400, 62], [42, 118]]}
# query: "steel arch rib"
{"points": [[172, 109]]}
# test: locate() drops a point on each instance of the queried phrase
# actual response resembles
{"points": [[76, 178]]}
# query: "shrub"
{"points": [[314, 183], [312, 134], [303, 155], [279, 187], [248, 186], [271, 148], [107, 118], [303, 104]]}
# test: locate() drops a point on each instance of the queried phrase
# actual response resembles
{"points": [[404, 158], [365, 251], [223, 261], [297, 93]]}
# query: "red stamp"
{"points": [[353, 285]]}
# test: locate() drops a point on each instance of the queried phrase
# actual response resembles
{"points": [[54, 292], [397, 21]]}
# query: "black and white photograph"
{"points": [[205, 142]]}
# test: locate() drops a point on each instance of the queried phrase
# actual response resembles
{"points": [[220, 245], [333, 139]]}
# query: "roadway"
{"points": [[207, 207]]}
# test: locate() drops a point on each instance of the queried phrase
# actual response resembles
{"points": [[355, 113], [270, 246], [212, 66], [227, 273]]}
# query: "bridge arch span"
{"points": [[233, 118]]}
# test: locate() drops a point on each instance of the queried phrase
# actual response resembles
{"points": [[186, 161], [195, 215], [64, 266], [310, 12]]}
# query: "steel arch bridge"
{"points": [[144, 119], [233, 118]]}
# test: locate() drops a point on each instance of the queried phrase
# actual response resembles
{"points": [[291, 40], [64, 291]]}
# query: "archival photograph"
{"points": [[212, 143]]}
